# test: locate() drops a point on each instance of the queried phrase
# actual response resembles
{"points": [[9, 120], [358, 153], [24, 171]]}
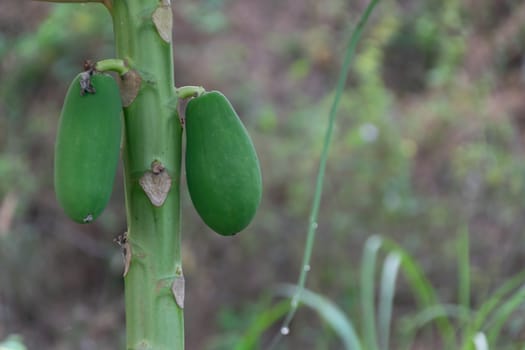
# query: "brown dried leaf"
{"points": [[126, 251], [129, 84], [123, 242], [156, 186], [163, 19], [178, 290]]}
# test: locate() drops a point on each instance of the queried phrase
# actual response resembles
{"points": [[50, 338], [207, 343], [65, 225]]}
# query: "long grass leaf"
{"points": [[329, 312], [13, 342], [480, 341], [386, 297], [503, 313], [368, 269], [435, 312], [314, 213], [489, 305], [464, 268], [263, 321], [423, 291]]}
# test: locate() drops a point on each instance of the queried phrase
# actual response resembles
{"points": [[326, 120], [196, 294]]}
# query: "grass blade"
{"points": [[503, 313], [263, 321], [435, 312], [13, 342], [386, 297], [423, 291], [489, 305], [464, 268], [329, 312], [368, 268], [480, 341], [312, 227]]}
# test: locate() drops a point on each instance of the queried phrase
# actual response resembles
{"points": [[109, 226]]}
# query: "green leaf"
{"points": [[386, 297], [480, 341], [424, 292], [489, 305], [503, 313], [368, 267], [13, 342], [314, 212], [329, 312], [464, 267], [264, 321]]}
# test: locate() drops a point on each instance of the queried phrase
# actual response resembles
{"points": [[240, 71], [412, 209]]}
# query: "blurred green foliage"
{"points": [[429, 140], [13, 342]]}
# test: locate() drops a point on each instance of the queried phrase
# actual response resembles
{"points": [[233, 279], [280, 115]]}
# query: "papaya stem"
{"points": [[152, 141], [112, 65]]}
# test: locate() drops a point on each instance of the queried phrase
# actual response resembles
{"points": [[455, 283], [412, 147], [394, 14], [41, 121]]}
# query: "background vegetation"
{"points": [[428, 146]]}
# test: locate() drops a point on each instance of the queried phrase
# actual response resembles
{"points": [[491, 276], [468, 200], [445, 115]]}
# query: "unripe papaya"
{"points": [[222, 168], [87, 148]]}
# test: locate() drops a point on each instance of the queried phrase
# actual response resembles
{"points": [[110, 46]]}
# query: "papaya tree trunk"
{"points": [[154, 283]]}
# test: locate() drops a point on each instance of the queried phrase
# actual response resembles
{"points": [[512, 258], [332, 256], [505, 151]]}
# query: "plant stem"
{"points": [[113, 65], [107, 3], [189, 91], [70, 1], [154, 320], [314, 213]]}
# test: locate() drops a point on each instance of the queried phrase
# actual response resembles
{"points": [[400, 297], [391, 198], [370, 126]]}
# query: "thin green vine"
{"points": [[312, 227]]}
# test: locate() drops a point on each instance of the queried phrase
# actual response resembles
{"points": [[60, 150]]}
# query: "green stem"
{"points": [[314, 213], [107, 3], [112, 65], [154, 320], [70, 1], [189, 91]]}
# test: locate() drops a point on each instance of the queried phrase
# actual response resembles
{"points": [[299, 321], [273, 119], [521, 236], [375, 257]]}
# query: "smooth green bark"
{"points": [[154, 282], [152, 133]]}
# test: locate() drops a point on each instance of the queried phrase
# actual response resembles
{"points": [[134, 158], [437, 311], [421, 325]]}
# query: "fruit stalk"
{"points": [[112, 64], [154, 284], [107, 3]]}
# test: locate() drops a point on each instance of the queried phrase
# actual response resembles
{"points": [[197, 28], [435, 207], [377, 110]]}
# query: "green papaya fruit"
{"points": [[87, 147], [222, 168]]}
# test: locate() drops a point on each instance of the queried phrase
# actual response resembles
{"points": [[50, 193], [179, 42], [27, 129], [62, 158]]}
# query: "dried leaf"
{"points": [[129, 87], [178, 290], [122, 241], [126, 251], [156, 186], [163, 19], [88, 219]]}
